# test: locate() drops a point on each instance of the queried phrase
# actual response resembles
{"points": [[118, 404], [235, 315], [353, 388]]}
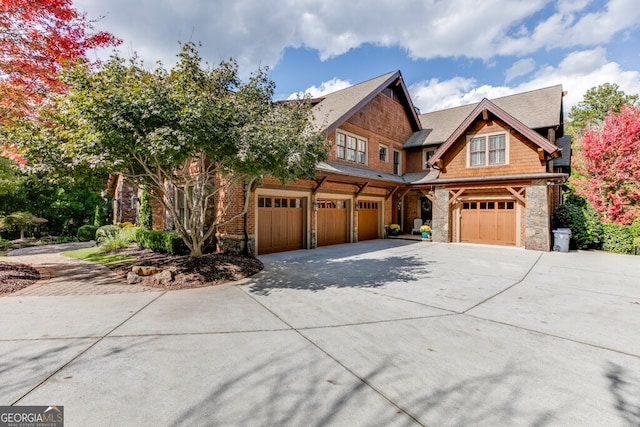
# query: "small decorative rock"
{"points": [[165, 276], [145, 270], [133, 278]]}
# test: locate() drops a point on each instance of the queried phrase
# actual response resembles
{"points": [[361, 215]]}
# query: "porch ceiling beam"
{"points": [[322, 180], [361, 188], [485, 115], [541, 155], [455, 195], [392, 192], [517, 194]]}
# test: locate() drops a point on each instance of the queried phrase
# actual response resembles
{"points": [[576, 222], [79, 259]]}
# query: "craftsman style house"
{"points": [[484, 173]]}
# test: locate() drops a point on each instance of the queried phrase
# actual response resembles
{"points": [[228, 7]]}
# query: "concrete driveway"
{"points": [[378, 333]]}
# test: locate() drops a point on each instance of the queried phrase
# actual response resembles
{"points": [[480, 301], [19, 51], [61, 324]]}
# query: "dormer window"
{"points": [[427, 153], [487, 150], [352, 148]]}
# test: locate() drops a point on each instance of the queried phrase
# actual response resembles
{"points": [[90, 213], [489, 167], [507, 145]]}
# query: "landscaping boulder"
{"points": [[164, 276], [133, 278], [145, 270]]}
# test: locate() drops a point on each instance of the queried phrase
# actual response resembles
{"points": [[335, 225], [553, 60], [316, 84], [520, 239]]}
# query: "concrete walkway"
{"points": [[374, 334]]}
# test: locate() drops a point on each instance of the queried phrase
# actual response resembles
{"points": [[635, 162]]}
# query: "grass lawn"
{"points": [[93, 254]]}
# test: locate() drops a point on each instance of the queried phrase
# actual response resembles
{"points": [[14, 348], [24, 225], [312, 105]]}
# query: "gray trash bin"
{"points": [[561, 238]]}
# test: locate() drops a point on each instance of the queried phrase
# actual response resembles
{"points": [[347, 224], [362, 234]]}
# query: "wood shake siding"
{"points": [[382, 121], [523, 157]]}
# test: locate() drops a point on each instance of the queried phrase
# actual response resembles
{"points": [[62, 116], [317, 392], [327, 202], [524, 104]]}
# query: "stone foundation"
{"points": [[440, 222], [234, 244], [537, 217]]}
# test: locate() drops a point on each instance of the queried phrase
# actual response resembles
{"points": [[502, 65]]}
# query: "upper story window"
{"points": [[351, 148], [487, 150], [384, 153], [427, 153], [397, 170]]}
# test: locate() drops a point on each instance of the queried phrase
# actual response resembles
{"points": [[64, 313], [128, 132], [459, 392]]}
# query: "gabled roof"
{"points": [[337, 107], [536, 109], [501, 114]]}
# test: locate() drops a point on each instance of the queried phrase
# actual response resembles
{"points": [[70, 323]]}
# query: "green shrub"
{"points": [[87, 232], [161, 241], [66, 239], [618, 239], [105, 233], [635, 228], [144, 215], [581, 217], [174, 244], [97, 221], [128, 234], [113, 244], [5, 244]]}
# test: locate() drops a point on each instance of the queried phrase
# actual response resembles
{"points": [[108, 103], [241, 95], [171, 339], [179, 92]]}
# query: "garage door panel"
{"points": [[489, 222], [280, 224], [368, 220], [333, 222]]}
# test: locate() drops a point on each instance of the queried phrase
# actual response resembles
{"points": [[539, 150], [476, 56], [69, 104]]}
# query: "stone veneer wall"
{"points": [[537, 217], [440, 223]]}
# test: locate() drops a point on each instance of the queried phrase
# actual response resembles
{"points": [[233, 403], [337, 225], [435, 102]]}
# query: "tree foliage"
{"points": [[596, 104], [612, 166], [37, 38], [193, 132]]}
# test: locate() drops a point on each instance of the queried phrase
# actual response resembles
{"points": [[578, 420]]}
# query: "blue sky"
{"points": [[450, 52]]}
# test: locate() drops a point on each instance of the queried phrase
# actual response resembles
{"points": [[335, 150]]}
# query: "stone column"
{"points": [[440, 222], [537, 217]]}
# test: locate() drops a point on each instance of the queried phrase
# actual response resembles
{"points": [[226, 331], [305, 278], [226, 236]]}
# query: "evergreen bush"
{"points": [[87, 233], [144, 216], [105, 233], [577, 214], [618, 239]]}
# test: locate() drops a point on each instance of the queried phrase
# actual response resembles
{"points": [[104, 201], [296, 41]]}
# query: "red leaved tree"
{"points": [[37, 38], [611, 159]]}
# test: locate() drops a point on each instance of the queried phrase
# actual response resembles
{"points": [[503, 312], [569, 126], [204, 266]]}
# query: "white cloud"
{"points": [[256, 32], [329, 86], [520, 68], [578, 72]]}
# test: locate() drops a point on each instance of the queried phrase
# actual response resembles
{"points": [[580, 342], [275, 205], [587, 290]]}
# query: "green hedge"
{"points": [[161, 241], [106, 232], [581, 217], [87, 232], [618, 239]]}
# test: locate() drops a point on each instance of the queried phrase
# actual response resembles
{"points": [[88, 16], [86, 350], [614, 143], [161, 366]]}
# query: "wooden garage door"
{"points": [[333, 222], [280, 224], [491, 222], [368, 221]]}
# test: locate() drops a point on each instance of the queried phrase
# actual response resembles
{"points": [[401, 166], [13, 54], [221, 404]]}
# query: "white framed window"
{"points": [[351, 147], [384, 153], [488, 150], [427, 153]]}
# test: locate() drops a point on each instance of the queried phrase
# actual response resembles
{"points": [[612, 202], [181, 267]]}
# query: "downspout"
{"points": [[246, 219]]}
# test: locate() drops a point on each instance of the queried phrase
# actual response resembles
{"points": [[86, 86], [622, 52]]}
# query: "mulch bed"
{"points": [[209, 270], [14, 277]]}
